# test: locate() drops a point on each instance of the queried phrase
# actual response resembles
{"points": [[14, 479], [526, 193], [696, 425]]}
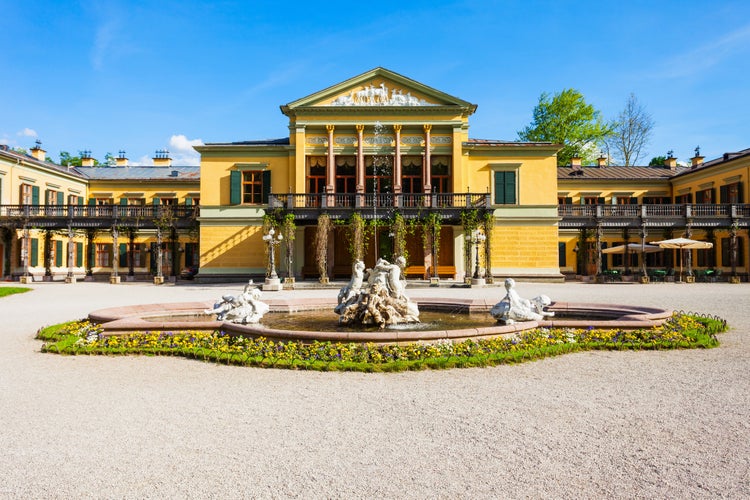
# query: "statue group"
{"points": [[376, 296], [245, 308], [513, 308]]}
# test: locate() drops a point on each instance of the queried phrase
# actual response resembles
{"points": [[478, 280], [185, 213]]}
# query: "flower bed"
{"points": [[83, 337]]}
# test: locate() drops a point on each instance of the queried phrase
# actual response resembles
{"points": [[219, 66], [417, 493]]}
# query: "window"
{"points": [[252, 187], [346, 174], [103, 253], [592, 200], [726, 252], [656, 200], [26, 194], [564, 200], [440, 174], [136, 202], [505, 187], [731, 193], [168, 201], [316, 174], [705, 196], [684, 198], [411, 175]]}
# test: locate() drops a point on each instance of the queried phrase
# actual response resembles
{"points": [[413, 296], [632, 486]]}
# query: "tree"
{"points": [[74, 161], [631, 131], [566, 119], [657, 161]]}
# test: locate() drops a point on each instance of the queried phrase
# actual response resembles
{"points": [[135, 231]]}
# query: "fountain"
{"points": [[245, 308], [382, 301], [514, 308]]}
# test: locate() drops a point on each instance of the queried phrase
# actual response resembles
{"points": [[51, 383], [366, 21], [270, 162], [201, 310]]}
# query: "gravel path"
{"points": [[602, 424]]}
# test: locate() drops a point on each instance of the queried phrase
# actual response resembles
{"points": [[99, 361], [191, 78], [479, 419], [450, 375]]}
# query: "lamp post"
{"points": [[477, 238], [272, 240]]}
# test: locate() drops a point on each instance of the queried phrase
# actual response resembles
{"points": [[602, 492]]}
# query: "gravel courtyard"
{"points": [[601, 424]]}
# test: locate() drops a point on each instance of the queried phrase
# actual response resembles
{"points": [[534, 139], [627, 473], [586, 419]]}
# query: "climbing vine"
{"points": [[358, 237], [321, 245], [399, 237], [489, 224], [432, 225], [470, 222], [288, 230]]}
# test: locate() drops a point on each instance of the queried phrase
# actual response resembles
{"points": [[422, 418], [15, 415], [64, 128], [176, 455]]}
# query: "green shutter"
{"points": [[266, 186], [35, 195], [123, 201], [499, 188], [60, 198], [235, 187], [34, 252], [510, 188], [568, 200], [58, 253], [92, 201], [79, 253], [600, 200], [80, 200], [699, 197], [188, 201], [156, 201], [123, 255]]}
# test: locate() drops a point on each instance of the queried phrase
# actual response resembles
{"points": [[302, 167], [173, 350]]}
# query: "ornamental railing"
{"points": [[292, 201]]}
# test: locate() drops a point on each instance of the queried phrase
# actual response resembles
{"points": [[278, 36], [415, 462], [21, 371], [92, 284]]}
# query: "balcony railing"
{"points": [[294, 201], [698, 213], [145, 216]]}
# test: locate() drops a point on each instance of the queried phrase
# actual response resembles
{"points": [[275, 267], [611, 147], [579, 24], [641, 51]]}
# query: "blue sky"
{"points": [[139, 76]]}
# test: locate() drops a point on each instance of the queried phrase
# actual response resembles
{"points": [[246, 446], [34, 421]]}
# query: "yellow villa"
{"points": [[377, 166], [381, 146]]}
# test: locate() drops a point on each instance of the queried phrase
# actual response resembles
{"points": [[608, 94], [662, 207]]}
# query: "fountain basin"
{"points": [[188, 316]]}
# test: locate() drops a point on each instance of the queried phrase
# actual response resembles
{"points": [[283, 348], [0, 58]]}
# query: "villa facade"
{"points": [[379, 148]]}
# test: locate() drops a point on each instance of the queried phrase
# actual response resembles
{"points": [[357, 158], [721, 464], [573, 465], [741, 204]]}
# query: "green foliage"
{"points": [[12, 290], [82, 337], [358, 237], [567, 119], [321, 245], [657, 161], [400, 230]]}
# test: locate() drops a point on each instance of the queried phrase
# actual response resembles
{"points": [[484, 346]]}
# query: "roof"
{"points": [[726, 157], [284, 141], [14, 156], [617, 173], [493, 142], [183, 173]]}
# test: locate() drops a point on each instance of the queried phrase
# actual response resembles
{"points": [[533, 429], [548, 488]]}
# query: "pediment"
{"points": [[378, 88]]}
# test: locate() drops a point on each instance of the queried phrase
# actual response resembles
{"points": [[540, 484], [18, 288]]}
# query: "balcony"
{"points": [[309, 206], [98, 216], [635, 216]]}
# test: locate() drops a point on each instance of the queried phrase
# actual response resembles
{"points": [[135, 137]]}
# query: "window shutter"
{"points": [[123, 255], [156, 201], [561, 256], [600, 200], [92, 201], [568, 200], [235, 187], [188, 201], [123, 201], [713, 196], [510, 188], [266, 188], [60, 198], [80, 200], [58, 253], [35, 195], [34, 260], [699, 197], [79, 254]]}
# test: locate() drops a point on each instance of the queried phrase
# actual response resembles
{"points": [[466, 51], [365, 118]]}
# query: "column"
{"points": [[331, 163], [360, 159], [397, 161], [427, 170]]}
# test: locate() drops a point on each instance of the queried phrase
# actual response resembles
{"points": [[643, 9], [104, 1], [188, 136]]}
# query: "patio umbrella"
{"points": [[684, 244], [634, 247]]}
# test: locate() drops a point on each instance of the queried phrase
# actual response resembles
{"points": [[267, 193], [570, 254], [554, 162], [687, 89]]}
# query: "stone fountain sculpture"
{"points": [[514, 308], [376, 296], [243, 309]]}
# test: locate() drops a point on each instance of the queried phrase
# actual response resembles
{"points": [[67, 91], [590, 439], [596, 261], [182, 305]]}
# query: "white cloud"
{"points": [[28, 132], [181, 150]]}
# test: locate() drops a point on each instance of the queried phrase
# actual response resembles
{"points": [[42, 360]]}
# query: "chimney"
{"points": [[121, 160], [697, 159], [670, 162], [601, 162], [86, 159], [162, 159], [37, 151], [575, 161]]}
